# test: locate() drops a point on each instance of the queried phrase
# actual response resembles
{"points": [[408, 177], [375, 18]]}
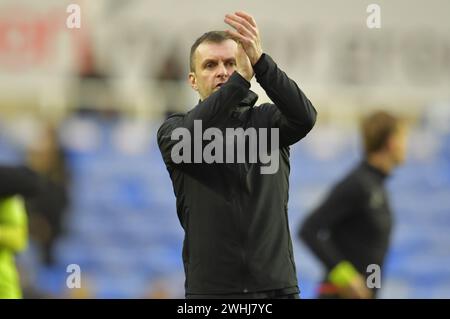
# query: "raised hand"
{"points": [[247, 34], [243, 65]]}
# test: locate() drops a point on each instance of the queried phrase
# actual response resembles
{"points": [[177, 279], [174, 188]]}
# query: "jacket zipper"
{"points": [[243, 232], [242, 226]]}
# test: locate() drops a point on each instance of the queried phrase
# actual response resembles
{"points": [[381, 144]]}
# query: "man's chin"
{"points": [[211, 92]]}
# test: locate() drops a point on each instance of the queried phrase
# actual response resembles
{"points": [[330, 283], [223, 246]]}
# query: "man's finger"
{"points": [[244, 22], [247, 17], [237, 36], [239, 27]]}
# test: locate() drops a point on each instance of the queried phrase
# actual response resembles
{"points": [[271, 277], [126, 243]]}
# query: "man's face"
{"points": [[214, 64], [398, 145]]}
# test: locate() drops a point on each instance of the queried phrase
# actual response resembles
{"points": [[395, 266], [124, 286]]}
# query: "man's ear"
{"points": [[193, 81]]}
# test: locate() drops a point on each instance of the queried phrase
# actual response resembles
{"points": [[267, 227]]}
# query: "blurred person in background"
{"points": [[47, 208], [15, 183], [171, 77], [237, 240], [351, 228]]}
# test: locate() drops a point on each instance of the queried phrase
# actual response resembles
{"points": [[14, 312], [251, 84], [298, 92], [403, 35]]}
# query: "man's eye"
{"points": [[209, 65], [231, 63]]}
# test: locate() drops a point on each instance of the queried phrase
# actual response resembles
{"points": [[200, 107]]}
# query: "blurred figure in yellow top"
{"points": [[13, 239], [14, 183]]}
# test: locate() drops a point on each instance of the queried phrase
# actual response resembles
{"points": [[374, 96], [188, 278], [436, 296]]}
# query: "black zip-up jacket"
{"points": [[237, 238]]}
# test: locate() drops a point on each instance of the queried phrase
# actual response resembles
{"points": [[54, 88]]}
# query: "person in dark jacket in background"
{"points": [[48, 207], [234, 214], [350, 230]]}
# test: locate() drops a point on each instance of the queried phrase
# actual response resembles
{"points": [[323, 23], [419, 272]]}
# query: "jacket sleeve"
{"points": [[340, 204], [211, 111], [292, 113], [18, 180]]}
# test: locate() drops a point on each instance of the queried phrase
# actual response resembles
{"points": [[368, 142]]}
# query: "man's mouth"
{"points": [[220, 85]]}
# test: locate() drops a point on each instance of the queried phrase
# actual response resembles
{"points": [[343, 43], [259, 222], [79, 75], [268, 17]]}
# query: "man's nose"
{"points": [[222, 71]]}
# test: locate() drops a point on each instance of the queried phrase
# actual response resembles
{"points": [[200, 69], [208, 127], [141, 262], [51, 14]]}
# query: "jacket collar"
{"points": [[246, 104], [382, 176]]}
